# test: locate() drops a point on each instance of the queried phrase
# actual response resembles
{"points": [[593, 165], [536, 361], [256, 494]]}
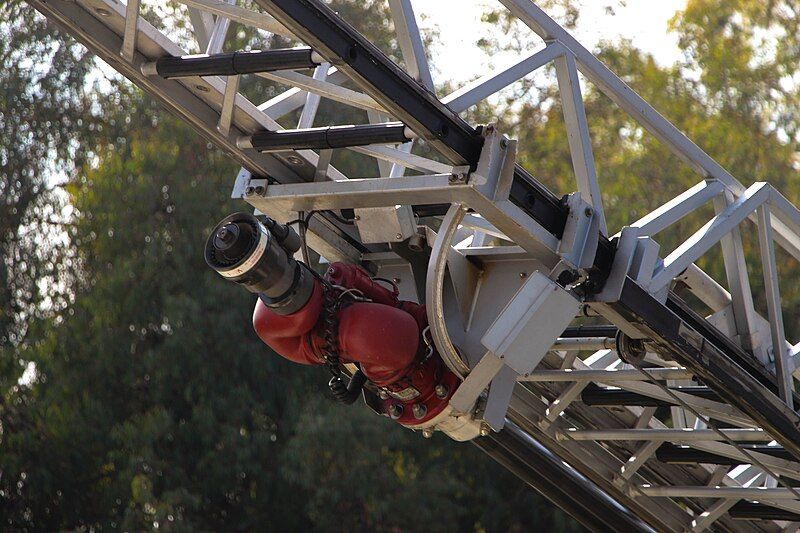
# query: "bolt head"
{"points": [[399, 236], [427, 433], [588, 211], [419, 411], [383, 395], [503, 143], [260, 189], [523, 275], [484, 431], [442, 391], [249, 191], [395, 411]]}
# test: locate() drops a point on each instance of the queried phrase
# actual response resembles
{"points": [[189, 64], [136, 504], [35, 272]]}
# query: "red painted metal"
{"points": [[384, 336]]}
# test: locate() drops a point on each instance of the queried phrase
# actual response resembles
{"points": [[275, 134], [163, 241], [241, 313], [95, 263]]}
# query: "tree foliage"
{"points": [[153, 404], [42, 104]]}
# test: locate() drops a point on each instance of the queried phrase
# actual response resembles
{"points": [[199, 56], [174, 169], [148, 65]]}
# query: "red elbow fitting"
{"points": [[377, 331]]}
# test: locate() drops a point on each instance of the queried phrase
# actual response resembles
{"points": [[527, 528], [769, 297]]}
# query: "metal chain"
{"points": [[330, 321]]}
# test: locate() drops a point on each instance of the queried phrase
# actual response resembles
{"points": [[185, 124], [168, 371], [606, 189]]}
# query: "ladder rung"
{"points": [[673, 454], [759, 511], [590, 331], [605, 397], [670, 435], [232, 63], [327, 137], [692, 491], [605, 376]]}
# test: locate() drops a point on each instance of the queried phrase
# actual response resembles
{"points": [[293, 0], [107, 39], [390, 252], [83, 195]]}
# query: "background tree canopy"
{"points": [[135, 394]]}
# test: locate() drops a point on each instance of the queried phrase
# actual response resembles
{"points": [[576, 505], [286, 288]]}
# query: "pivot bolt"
{"points": [[416, 243], [568, 277], [442, 391], [419, 410], [395, 411]]}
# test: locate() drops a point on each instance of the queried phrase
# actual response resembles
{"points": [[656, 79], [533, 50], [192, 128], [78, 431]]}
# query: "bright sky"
{"points": [[459, 26]]}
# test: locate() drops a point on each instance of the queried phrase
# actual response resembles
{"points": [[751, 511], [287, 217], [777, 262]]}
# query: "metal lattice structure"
{"points": [[682, 418]]}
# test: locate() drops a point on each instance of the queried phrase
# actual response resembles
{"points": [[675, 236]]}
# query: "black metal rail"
{"points": [[544, 471], [713, 359], [329, 137], [760, 511], [606, 397], [231, 63]]}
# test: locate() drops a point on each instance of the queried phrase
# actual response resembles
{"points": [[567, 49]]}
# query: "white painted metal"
{"points": [[783, 364], [131, 33], [580, 146], [756, 493], [671, 435]]}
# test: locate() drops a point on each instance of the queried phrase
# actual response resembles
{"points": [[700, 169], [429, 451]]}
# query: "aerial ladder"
{"points": [[460, 295]]}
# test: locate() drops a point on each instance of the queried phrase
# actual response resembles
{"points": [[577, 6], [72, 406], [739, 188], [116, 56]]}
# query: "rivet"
{"points": [[441, 391], [395, 411]]}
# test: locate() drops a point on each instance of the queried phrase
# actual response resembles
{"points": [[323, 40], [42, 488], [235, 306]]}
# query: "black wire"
{"points": [[390, 282], [303, 227], [304, 221], [340, 218]]}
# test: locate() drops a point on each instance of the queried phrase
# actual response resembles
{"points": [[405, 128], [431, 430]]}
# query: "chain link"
{"points": [[330, 321]]}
